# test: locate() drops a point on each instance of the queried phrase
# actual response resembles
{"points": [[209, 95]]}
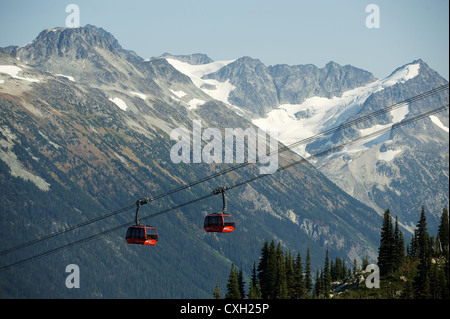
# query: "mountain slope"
{"points": [[95, 140], [401, 170]]}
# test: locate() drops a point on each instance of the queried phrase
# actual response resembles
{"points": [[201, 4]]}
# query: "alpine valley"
{"points": [[85, 130]]}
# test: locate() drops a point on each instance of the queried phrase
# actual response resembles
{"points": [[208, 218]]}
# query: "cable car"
{"points": [[220, 222], [141, 234]]}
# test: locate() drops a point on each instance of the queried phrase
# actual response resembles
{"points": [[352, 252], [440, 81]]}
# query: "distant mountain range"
{"points": [[85, 130], [392, 171]]}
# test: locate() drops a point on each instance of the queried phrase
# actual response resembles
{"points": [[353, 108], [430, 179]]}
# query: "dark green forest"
{"points": [[419, 270]]}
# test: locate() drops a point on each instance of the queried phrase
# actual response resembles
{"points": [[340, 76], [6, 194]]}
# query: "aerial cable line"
{"points": [[368, 116], [331, 150], [56, 233], [235, 167], [314, 137], [23, 261], [343, 145]]}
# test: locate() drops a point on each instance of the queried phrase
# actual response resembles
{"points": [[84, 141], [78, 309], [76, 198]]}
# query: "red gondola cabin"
{"points": [[219, 223], [142, 235]]}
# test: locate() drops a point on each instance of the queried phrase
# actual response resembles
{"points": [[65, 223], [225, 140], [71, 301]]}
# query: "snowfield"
{"points": [[71, 78], [194, 103], [388, 155], [120, 103], [178, 94], [13, 71], [142, 96], [221, 90], [438, 123]]}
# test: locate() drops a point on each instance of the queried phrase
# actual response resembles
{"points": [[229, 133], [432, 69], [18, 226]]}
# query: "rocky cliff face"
{"points": [[259, 89], [299, 82]]}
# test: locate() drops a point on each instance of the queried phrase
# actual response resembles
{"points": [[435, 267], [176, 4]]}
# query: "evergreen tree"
{"points": [[299, 290], [254, 291], [332, 271], [345, 273], [408, 292], [281, 286], [422, 282], [435, 286], [399, 246], [280, 289], [308, 279], [317, 285], [268, 275], [241, 283], [365, 262], [262, 268], [442, 284], [254, 278], [290, 274], [233, 291], [355, 266], [271, 272], [326, 276], [385, 251], [443, 237], [336, 270], [443, 233], [216, 293], [413, 247]]}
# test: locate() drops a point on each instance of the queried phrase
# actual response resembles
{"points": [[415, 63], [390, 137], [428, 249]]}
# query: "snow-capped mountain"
{"points": [[248, 86], [296, 122], [302, 101]]}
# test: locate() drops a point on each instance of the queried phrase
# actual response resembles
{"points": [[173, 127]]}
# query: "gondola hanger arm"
{"points": [[139, 203]]}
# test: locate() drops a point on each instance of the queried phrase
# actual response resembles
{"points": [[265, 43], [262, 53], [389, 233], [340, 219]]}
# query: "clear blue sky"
{"points": [[276, 32]]}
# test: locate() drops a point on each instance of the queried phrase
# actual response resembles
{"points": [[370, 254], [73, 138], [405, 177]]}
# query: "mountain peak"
{"points": [[105, 34], [89, 54], [332, 64], [414, 68], [63, 39]]}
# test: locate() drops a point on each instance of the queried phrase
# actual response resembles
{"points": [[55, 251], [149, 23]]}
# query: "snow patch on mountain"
{"points": [[178, 94], [217, 90], [120, 103], [388, 155], [438, 123], [194, 103], [13, 71], [70, 78], [142, 96]]}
